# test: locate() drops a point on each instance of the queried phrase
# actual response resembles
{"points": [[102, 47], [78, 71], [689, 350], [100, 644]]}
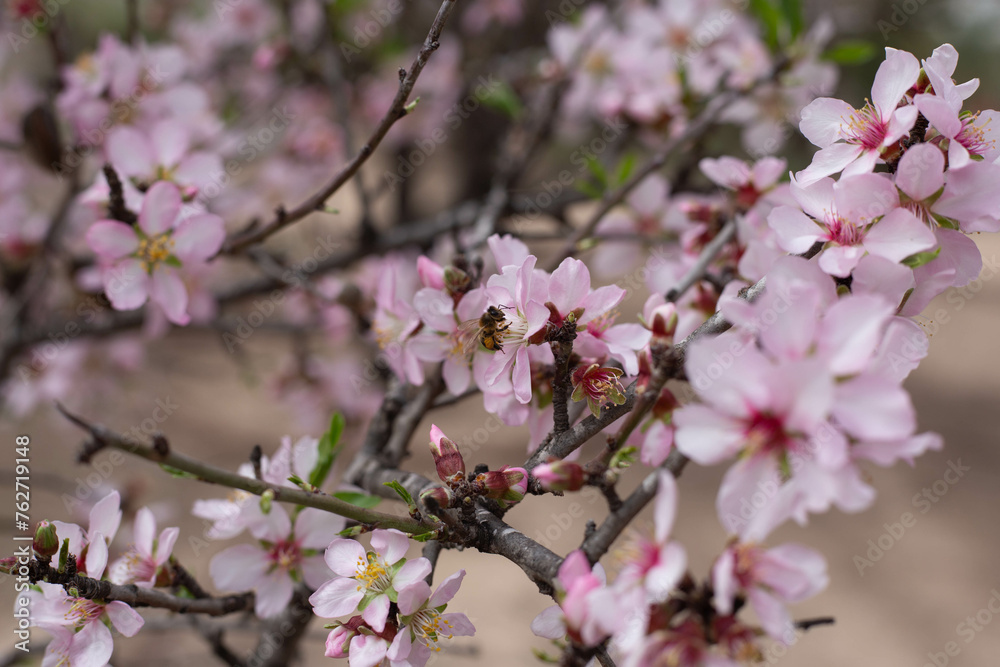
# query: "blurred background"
{"points": [[897, 600]]}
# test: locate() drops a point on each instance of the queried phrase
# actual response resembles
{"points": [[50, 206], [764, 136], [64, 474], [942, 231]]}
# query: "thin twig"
{"points": [[396, 110], [707, 256]]}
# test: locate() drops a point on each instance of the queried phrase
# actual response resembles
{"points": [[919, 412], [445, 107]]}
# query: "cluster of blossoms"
{"points": [[806, 387], [80, 627], [656, 62], [401, 620]]}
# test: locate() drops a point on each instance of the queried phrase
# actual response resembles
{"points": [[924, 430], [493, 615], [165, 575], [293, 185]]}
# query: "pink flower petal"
{"points": [[411, 572], [345, 557], [367, 651], [899, 235], [522, 375], [160, 208], [144, 531], [273, 592], [569, 285], [238, 568], [550, 623], [390, 544], [106, 516], [796, 233], [447, 589], [823, 120], [376, 613], [126, 284], [894, 78], [165, 544], [874, 408], [829, 160], [412, 597], [316, 529], [92, 646], [705, 436], [111, 239], [168, 291], [125, 619], [130, 153], [840, 260], [337, 597], [199, 237]]}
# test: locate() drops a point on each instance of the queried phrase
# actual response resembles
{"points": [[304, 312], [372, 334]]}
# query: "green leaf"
{"points": [[624, 457], [921, 258], [329, 447], [770, 20], [352, 531], [625, 168], [850, 52], [502, 98], [173, 261], [792, 10], [403, 493], [590, 190], [598, 170], [176, 472], [425, 537], [358, 499]]}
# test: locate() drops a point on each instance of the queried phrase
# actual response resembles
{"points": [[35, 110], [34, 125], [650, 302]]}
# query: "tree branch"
{"points": [[396, 111]]}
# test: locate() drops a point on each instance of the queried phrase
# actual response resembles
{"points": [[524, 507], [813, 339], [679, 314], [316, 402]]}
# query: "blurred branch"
{"points": [[397, 110], [104, 437]]}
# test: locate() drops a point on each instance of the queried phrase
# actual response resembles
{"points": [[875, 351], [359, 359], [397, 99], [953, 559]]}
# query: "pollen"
{"points": [[83, 611], [154, 250], [430, 628], [372, 573], [973, 136], [866, 128]]}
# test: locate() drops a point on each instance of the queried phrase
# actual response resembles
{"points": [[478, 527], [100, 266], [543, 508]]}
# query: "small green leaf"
{"points": [[590, 190], [329, 447], [921, 258], [425, 537], [770, 20], [598, 170], [352, 531], [358, 499], [624, 457], [176, 472], [403, 493], [792, 10], [850, 52], [503, 99], [625, 168]]}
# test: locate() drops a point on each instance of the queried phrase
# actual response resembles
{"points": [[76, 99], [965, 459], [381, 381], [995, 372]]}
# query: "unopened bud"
{"points": [[663, 322], [437, 496], [456, 281], [46, 543], [266, 499], [560, 476], [509, 484], [447, 459]]}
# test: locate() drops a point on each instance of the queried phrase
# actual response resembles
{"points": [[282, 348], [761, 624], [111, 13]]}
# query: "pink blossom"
{"points": [[520, 290], [140, 263], [162, 153], [583, 612], [81, 636], [422, 614], [441, 339], [284, 555], [396, 320], [768, 579], [91, 546], [145, 560], [366, 579], [867, 132], [859, 214]]}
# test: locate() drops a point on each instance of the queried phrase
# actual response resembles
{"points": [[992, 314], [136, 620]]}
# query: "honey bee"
{"points": [[487, 330]]}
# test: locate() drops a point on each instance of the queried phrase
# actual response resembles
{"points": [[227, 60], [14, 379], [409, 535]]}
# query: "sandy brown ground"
{"points": [[908, 604]]}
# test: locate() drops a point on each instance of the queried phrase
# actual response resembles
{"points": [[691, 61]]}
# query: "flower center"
{"points": [[286, 554], [973, 136], [844, 232], [866, 128], [139, 568], [155, 249], [83, 611], [765, 434], [430, 627], [373, 573]]}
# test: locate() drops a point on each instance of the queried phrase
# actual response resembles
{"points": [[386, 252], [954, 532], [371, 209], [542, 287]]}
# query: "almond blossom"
{"points": [[367, 580], [422, 614], [285, 555], [144, 563], [141, 262], [866, 133]]}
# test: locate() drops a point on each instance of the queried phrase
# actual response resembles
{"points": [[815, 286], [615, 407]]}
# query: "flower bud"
{"points": [[456, 281], [338, 640], [560, 476], [431, 273], [599, 386], [665, 404], [507, 483], [46, 543], [663, 322], [266, 499], [447, 459], [439, 495]]}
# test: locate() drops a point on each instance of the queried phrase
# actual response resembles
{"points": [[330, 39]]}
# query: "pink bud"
{"points": [[46, 543], [664, 321], [560, 476], [447, 459], [431, 273], [507, 483], [337, 642], [438, 494]]}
